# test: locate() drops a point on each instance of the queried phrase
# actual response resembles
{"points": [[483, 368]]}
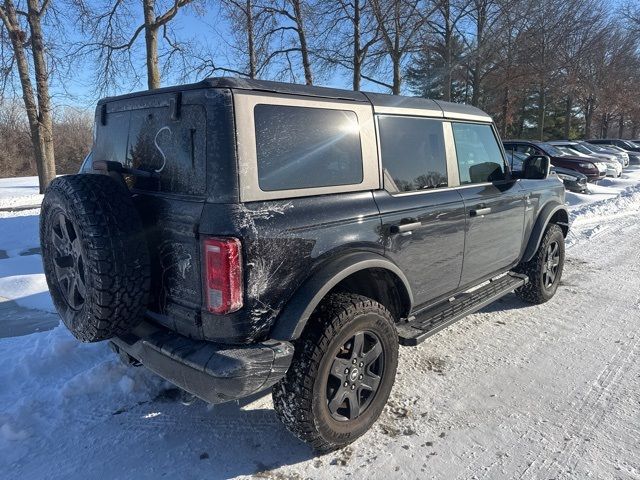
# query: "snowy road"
{"points": [[515, 391]]}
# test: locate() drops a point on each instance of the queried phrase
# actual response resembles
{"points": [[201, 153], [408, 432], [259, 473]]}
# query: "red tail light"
{"points": [[223, 274]]}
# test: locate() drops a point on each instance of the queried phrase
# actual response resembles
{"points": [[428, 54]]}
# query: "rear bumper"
{"points": [[215, 373]]}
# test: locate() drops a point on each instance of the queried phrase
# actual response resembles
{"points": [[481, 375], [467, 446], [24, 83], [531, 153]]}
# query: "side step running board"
{"points": [[431, 321]]}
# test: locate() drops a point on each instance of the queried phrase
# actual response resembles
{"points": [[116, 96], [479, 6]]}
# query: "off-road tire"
{"points": [[535, 291], [91, 219], [300, 399]]}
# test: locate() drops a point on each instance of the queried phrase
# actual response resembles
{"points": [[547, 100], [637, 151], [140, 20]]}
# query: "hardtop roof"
{"points": [[377, 100]]}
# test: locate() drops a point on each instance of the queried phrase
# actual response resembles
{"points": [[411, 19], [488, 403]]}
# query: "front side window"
{"points": [[413, 153], [304, 147], [479, 156]]}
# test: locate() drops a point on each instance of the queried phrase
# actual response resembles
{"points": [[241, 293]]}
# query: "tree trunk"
{"points": [[523, 109], [604, 126], [621, 126], [357, 62], [304, 49], [40, 123], [477, 74], [541, 111], [588, 118], [151, 40], [250, 40], [505, 111], [397, 75], [448, 37], [45, 116], [567, 117]]}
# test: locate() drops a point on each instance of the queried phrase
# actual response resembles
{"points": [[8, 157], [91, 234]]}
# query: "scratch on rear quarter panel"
{"points": [[172, 256], [260, 271]]}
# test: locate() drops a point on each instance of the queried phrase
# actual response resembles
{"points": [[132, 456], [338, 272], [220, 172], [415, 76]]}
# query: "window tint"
{"points": [[301, 147], [479, 156], [413, 154]]}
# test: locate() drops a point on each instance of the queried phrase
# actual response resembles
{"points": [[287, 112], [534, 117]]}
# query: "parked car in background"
{"points": [[632, 149], [610, 149], [625, 144], [594, 150], [614, 168], [573, 181], [593, 169], [634, 157]]}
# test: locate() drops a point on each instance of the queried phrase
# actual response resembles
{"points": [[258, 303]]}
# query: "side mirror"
{"points": [[536, 167]]}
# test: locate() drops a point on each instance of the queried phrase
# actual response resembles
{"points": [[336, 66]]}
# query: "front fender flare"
{"points": [[544, 217], [295, 314]]}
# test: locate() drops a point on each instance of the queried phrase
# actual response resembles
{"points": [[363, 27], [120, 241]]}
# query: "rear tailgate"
{"points": [[151, 133]]}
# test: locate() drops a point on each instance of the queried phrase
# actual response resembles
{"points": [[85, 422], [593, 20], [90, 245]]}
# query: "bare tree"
{"points": [[252, 28], [444, 25], [37, 104], [484, 15], [292, 16], [347, 37], [399, 23], [108, 25]]}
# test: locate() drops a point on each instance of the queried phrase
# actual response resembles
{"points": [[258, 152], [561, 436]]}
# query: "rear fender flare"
{"points": [[544, 217], [295, 314]]}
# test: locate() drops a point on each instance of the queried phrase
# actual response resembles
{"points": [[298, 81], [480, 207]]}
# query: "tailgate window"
{"points": [[175, 150], [148, 139]]}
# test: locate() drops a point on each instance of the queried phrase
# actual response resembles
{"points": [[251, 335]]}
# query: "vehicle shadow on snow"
{"points": [[508, 302], [220, 441]]}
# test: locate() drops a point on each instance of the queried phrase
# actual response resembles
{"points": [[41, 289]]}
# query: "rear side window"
{"points": [[303, 147], [479, 157], [148, 139], [413, 153]]}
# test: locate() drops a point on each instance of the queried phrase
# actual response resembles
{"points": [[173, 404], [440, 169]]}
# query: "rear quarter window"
{"points": [[304, 147]]}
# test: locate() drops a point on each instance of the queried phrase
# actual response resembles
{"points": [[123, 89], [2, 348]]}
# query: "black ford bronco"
{"points": [[235, 235]]}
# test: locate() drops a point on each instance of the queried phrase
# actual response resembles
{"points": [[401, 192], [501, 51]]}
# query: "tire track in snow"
{"points": [[484, 460], [589, 413]]}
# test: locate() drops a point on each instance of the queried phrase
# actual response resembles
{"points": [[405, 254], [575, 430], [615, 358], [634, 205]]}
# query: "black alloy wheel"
{"points": [[355, 375], [342, 372], [69, 262], [551, 264]]}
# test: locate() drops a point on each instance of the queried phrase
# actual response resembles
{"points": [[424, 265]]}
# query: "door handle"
{"points": [[478, 212], [405, 227]]}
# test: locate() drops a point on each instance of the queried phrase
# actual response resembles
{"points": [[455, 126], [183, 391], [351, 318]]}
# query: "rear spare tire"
{"points": [[95, 256]]}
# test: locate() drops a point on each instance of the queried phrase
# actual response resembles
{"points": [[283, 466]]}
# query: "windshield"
{"points": [[551, 150], [566, 150], [582, 149]]}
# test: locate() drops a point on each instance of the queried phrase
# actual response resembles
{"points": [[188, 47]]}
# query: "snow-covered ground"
{"points": [[19, 192], [514, 391]]}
